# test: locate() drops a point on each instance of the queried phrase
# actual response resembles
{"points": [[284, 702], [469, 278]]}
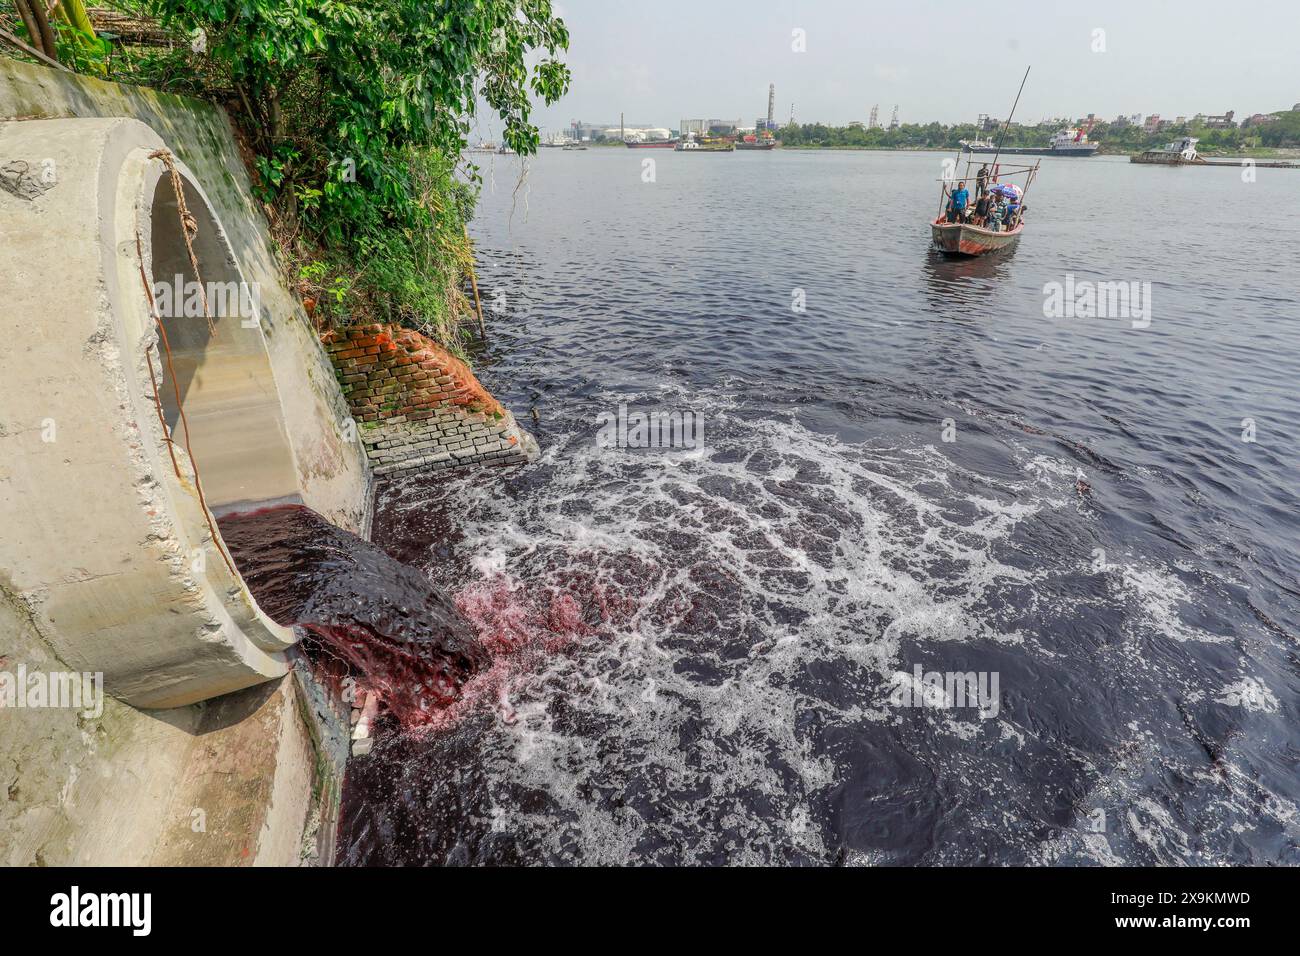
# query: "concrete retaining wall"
{"points": [[419, 408], [233, 782]]}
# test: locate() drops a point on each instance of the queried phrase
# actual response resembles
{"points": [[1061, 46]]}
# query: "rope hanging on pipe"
{"points": [[189, 229]]}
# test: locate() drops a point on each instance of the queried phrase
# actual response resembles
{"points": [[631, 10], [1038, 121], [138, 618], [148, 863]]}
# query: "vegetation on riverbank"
{"points": [[353, 118], [1281, 133]]}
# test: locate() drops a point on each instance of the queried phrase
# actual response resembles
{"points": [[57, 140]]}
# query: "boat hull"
{"points": [[1166, 159], [655, 144], [1089, 150], [963, 239]]}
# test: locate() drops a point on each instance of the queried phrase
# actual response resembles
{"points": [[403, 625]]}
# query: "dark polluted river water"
{"points": [[719, 654]]}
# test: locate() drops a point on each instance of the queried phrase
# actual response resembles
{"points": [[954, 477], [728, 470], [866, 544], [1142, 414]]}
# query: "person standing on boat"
{"points": [[982, 182], [982, 208], [958, 203]]}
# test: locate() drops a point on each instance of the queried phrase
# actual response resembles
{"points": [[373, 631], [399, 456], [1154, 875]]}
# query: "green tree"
{"points": [[61, 30], [335, 93], [358, 115]]}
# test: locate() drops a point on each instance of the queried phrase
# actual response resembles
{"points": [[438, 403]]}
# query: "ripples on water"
{"points": [[696, 650]]}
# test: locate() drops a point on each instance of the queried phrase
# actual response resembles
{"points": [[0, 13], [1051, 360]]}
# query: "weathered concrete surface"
{"points": [[231, 782], [87, 582], [106, 540], [332, 474]]}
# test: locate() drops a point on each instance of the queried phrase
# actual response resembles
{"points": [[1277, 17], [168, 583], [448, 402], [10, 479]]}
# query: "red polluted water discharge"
{"points": [[365, 614]]}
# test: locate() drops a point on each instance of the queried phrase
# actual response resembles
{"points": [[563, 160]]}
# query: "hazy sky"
{"points": [[661, 60]]}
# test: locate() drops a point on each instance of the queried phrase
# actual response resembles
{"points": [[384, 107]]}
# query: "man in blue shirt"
{"points": [[1014, 209], [957, 205]]}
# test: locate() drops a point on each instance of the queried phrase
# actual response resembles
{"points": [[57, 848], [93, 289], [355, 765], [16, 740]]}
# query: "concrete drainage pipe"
{"points": [[105, 543]]}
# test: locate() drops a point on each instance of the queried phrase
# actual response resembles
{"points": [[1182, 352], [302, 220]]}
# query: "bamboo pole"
{"points": [[46, 30], [29, 21], [13, 41], [1003, 134], [473, 281]]}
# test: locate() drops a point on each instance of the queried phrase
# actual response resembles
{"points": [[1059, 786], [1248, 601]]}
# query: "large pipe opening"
{"points": [[222, 374]]}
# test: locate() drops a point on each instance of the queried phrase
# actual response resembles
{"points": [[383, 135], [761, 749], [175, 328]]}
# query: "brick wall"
{"points": [[419, 408]]}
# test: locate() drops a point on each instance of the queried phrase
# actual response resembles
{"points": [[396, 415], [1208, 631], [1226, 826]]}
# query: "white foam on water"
{"points": [[1250, 694], [770, 579], [1159, 594], [769, 512]]}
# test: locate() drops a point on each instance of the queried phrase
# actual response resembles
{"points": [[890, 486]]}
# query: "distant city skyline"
{"points": [[661, 62]]}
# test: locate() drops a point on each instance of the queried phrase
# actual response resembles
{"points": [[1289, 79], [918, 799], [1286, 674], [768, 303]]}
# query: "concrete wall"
{"points": [[97, 569], [231, 782]]}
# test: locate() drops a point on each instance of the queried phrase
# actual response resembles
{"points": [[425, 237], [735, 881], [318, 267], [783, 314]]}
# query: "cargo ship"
{"points": [[650, 143], [1070, 141]]}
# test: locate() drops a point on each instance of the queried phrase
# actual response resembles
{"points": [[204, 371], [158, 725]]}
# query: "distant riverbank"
{"points": [[1262, 153]]}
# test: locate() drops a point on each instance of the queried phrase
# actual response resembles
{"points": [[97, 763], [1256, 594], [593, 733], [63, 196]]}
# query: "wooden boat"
{"points": [[967, 239], [964, 239]]}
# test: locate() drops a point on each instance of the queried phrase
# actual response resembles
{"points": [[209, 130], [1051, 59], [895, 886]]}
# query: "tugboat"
{"points": [[1069, 141], [692, 145], [764, 142]]}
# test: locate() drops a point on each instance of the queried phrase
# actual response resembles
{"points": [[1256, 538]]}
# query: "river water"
{"points": [[710, 654]]}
